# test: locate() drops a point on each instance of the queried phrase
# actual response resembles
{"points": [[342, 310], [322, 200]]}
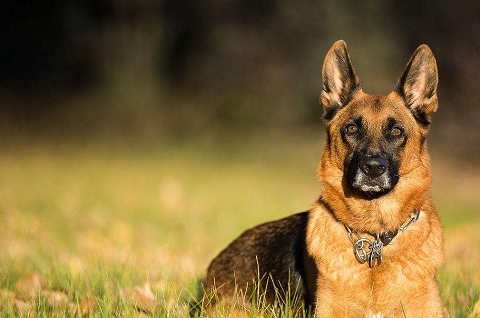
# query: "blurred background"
{"points": [[180, 68], [139, 137]]}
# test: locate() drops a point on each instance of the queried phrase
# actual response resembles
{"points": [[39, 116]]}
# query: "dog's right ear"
{"points": [[418, 84], [339, 80]]}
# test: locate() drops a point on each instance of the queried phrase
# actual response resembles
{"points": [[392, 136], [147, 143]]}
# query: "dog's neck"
{"points": [[387, 237], [382, 215]]}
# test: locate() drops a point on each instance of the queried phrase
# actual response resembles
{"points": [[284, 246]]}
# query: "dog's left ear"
{"points": [[418, 84]]}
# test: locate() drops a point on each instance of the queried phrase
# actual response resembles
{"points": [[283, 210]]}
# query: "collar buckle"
{"points": [[413, 218]]}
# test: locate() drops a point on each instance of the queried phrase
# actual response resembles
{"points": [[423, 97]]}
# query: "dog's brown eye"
{"points": [[351, 129], [396, 132]]}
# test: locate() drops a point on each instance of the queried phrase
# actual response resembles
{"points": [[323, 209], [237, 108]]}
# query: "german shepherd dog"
{"points": [[372, 243]]}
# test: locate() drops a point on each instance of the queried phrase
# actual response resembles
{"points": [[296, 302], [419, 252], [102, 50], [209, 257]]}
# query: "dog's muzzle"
{"points": [[373, 174]]}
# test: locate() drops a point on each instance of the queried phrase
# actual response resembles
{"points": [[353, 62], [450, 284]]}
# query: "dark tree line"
{"points": [[232, 61]]}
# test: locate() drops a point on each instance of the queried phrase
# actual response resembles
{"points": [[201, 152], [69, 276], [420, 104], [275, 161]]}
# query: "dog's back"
{"points": [[270, 258]]}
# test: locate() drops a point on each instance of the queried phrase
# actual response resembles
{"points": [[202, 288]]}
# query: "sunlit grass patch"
{"points": [[460, 276], [461, 292], [263, 298]]}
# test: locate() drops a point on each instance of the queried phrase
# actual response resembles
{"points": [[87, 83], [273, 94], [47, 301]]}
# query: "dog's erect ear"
{"points": [[418, 84], [339, 79]]}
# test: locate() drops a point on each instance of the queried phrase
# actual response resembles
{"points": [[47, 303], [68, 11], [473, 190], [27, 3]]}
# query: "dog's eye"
{"points": [[351, 129], [396, 132]]}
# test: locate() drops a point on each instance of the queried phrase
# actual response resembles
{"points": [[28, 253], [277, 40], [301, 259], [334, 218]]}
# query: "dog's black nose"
{"points": [[373, 166]]}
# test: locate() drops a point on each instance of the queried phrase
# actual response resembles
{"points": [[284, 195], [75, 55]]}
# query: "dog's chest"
{"points": [[339, 267], [362, 291]]}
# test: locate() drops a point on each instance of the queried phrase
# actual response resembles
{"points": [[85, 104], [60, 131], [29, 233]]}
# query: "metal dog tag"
{"points": [[375, 253], [359, 249]]}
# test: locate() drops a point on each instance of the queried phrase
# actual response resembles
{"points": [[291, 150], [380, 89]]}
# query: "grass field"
{"points": [[82, 225]]}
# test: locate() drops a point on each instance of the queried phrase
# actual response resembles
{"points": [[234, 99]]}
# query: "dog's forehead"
{"points": [[377, 109]]}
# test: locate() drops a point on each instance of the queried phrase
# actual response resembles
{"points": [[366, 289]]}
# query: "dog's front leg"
{"points": [[424, 303], [333, 303]]}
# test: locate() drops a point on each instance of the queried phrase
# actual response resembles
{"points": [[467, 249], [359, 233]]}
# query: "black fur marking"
{"points": [[404, 141], [391, 123], [273, 251], [329, 140], [344, 137], [351, 166], [422, 118], [358, 121], [330, 112], [361, 145], [423, 138]]}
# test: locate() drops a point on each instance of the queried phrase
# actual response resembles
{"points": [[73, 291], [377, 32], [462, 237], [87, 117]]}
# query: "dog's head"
{"points": [[376, 144]]}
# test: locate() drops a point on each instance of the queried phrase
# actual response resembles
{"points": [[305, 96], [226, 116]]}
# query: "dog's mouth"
{"points": [[373, 186]]}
